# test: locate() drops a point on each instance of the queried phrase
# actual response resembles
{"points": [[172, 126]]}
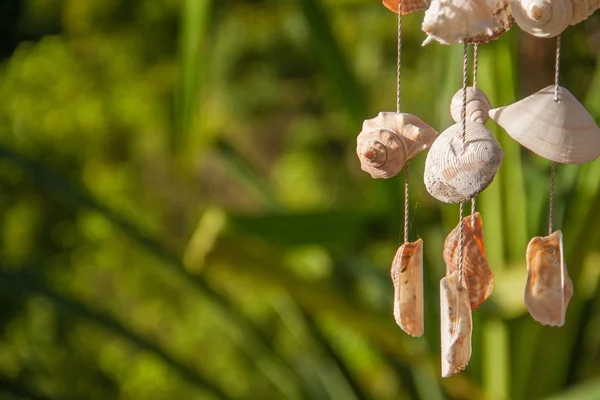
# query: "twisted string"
{"points": [[553, 165], [475, 66], [399, 65], [460, 246], [464, 139], [406, 202]]}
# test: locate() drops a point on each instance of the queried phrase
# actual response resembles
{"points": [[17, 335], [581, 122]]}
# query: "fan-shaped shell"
{"points": [[470, 21], [407, 276], [478, 106], [549, 288], [456, 325], [476, 272], [408, 6], [387, 141], [455, 173], [560, 131], [542, 18], [583, 9]]}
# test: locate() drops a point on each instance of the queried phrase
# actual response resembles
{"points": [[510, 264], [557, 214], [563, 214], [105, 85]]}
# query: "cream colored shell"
{"points": [[456, 325], [407, 276], [582, 9], [455, 174], [549, 288], [560, 131], [542, 18], [408, 6], [478, 106]]}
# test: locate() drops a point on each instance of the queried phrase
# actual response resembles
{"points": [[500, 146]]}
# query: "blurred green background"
{"points": [[183, 216]]}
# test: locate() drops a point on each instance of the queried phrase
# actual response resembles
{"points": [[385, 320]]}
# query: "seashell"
{"points": [[455, 174], [387, 141], [470, 21], [407, 275], [478, 106], [560, 131], [408, 6], [542, 18], [549, 288], [583, 9], [456, 325], [476, 272]]}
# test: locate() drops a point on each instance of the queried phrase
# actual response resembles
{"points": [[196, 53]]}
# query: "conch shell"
{"points": [[408, 6], [456, 325], [478, 106], [561, 131], [387, 141], [476, 272], [407, 276], [468, 21], [455, 173], [549, 289], [543, 18]]}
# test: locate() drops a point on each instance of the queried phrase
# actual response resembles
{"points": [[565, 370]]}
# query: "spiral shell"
{"points": [[561, 131], [455, 173], [470, 21], [542, 18], [408, 6], [478, 106], [387, 141], [407, 276]]}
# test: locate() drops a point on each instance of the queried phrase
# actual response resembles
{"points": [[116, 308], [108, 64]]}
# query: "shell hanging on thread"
{"points": [[473, 21], [455, 174], [549, 288], [476, 272], [408, 6], [387, 141], [478, 106], [456, 325], [407, 276], [562, 131]]}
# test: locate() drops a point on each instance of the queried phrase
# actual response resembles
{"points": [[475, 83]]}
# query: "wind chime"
{"points": [[463, 160]]}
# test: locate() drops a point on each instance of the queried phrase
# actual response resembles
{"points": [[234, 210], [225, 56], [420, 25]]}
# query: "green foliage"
{"points": [[182, 214]]}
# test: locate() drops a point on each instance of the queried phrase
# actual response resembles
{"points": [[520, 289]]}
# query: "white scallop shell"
{"points": [[583, 9], [560, 131], [407, 276], [478, 106], [455, 174], [542, 18], [387, 141]]}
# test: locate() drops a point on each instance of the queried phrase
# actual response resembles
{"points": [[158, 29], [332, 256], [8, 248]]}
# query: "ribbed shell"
{"points": [[476, 272], [456, 325], [582, 9], [454, 176], [542, 18], [407, 276], [408, 6], [560, 131], [549, 288], [478, 106]]}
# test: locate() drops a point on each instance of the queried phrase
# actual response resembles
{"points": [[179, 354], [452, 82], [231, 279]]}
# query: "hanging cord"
{"points": [[460, 246], [406, 168], [553, 165], [464, 139], [475, 65]]}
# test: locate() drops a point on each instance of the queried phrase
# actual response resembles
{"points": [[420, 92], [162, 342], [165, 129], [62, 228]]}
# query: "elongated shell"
{"points": [[549, 288], [407, 276], [456, 325], [476, 272], [455, 174], [478, 106], [470, 21], [543, 18], [408, 6], [387, 141], [583, 9], [560, 131]]}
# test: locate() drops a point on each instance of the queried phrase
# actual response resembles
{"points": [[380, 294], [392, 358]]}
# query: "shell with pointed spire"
{"points": [[456, 325], [543, 18], [549, 288], [561, 131], [408, 6], [458, 21], [387, 141], [407, 276], [478, 106], [476, 272], [455, 173]]}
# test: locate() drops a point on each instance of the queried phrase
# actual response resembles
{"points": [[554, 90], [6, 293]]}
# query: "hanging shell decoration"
{"points": [[456, 325], [583, 9], [476, 272], [549, 288], [408, 6], [455, 173], [387, 141], [561, 131], [478, 106], [407, 276], [473, 21]]}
